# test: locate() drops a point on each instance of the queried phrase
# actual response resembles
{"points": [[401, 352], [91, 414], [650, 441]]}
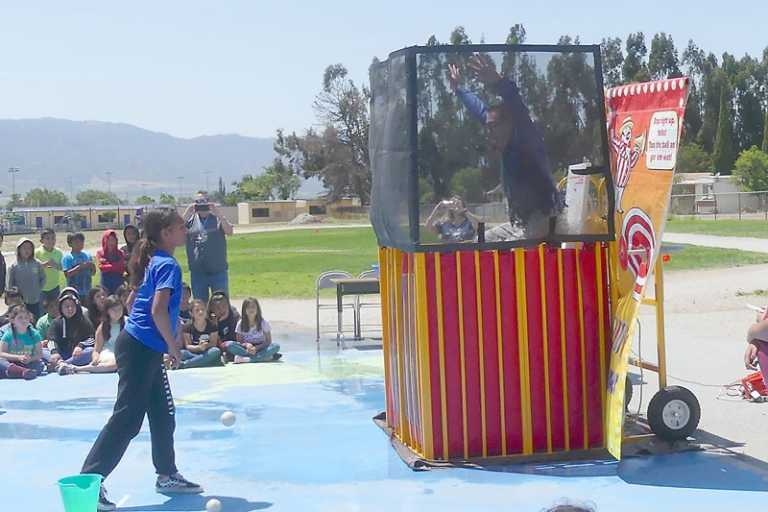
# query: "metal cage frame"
{"points": [[411, 53]]}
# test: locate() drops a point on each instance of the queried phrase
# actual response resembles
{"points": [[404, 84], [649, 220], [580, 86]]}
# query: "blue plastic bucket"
{"points": [[80, 493]]}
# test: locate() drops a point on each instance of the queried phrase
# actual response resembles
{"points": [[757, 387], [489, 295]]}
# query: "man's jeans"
{"points": [[204, 283]]}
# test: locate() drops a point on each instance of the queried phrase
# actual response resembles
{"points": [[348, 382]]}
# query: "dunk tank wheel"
{"points": [[674, 413]]}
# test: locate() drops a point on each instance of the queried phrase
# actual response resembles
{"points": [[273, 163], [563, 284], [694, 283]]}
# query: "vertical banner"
{"points": [[645, 123]]}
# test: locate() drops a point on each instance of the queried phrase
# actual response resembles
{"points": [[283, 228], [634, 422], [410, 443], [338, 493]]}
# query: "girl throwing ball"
{"points": [[150, 331]]}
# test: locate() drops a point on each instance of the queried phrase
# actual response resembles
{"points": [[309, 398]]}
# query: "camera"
{"points": [[202, 205]]}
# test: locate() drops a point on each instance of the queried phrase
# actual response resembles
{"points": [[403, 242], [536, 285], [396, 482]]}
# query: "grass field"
{"points": [[693, 257], [286, 264], [725, 227]]}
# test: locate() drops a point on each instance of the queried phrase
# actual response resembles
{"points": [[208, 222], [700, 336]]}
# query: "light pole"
{"points": [[13, 171], [206, 174]]}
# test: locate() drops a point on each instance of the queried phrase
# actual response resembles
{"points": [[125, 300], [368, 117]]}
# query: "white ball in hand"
{"points": [[228, 418], [213, 505]]}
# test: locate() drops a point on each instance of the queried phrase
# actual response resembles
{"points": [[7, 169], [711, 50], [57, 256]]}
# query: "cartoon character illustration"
{"points": [[637, 247], [627, 155]]}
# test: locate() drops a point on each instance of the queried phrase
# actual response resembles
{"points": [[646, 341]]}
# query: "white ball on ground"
{"points": [[213, 505], [228, 418]]}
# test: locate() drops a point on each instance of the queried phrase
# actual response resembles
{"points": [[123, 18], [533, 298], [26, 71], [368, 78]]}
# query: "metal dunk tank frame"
{"points": [[514, 349]]}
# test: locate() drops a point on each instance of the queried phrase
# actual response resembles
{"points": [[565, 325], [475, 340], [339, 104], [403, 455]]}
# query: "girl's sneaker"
{"points": [[176, 484], [242, 359], [277, 356], [104, 503]]}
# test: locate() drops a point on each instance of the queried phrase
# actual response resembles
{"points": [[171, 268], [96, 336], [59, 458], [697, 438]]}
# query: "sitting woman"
{"points": [[201, 339], [254, 337], [452, 222], [73, 335], [111, 325]]}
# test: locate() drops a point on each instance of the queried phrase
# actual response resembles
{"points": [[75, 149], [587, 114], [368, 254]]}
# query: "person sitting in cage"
{"points": [[452, 222], [526, 178]]}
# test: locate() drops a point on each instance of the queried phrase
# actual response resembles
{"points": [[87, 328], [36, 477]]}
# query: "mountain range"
{"points": [[74, 155]]}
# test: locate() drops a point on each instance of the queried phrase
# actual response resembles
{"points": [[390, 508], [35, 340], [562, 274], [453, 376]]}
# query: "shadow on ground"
{"points": [[190, 503]]}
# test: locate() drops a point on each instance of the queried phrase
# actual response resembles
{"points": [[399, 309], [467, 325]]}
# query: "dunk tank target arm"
{"points": [[515, 347]]}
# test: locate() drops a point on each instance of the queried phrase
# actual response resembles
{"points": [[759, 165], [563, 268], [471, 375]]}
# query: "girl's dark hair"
{"points": [[94, 314], [216, 298], [154, 223], [244, 321], [106, 322]]}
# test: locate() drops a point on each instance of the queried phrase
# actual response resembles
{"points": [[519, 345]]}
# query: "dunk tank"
{"points": [[519, 209]]}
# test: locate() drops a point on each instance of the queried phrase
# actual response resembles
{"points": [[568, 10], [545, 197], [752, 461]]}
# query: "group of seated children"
{"points": [[69, 343], [74, 330], [216, 333]]}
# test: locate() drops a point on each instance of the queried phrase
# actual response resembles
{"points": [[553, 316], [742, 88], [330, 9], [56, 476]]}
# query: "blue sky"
{"points": [[193, 68]]}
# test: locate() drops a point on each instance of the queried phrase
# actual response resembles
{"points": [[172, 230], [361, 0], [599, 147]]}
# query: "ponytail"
{"points": [[139, 261], [154, 224]]}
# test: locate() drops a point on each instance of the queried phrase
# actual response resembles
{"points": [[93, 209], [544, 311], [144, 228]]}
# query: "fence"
{"points": [[734, 205]]}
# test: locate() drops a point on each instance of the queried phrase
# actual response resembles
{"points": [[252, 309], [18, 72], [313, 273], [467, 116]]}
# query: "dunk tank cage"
{"points": [[497, 334]]}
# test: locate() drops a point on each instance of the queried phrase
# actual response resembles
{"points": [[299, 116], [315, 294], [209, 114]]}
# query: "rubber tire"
{"points": [[656, 406], [628, 393]]}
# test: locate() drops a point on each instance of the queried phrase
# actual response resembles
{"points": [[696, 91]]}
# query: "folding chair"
{"points": [[324, 282], [359, 304]]}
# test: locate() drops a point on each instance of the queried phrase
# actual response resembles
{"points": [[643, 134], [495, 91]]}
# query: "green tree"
{"points": [[45, 197], [145, 200], [167, 199], [283, 182], [254, 188], [724, 154], [751, 169], [663, 61], [634, 68], [613, 59], [92, 197], [714, 79], [693, 158], [16, 201], [764, 146], [467, 183], [693, 61]]}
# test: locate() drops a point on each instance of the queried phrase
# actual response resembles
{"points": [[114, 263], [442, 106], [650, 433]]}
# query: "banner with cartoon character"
{"points": [[644, 127]]}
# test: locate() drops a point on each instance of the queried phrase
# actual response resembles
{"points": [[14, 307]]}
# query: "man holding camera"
{"points": [[207, 247]]}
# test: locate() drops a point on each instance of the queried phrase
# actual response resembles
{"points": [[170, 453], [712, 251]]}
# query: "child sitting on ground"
{"points": [[20, 348], [73, 335], [224, 316], [94, 304], [28, 276], [77, 265], [111, 262], [254, 337], [112, 323], [51, 308], [200, 339]]}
